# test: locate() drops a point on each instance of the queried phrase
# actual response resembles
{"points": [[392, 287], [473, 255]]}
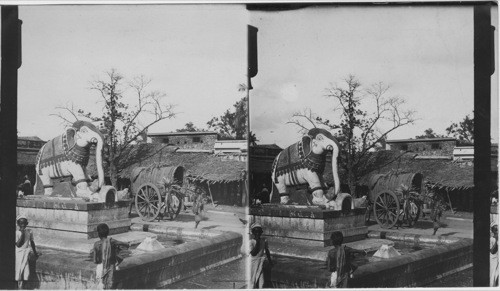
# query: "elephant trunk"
{"points": [[98, 159], [335, 172]]}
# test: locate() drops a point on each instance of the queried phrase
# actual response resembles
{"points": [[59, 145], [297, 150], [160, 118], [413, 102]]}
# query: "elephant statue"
{"points": [[303, 163], [68, 155]]}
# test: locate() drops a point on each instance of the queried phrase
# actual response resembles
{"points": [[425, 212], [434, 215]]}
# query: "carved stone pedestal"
{"points": [[66, 223], [309, 225]]}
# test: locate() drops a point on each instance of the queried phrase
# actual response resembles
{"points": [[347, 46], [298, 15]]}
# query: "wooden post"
{"points": [[449, 201], [210, 192]]}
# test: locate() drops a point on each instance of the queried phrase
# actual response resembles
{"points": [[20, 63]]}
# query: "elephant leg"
{"points": [[282, 190], [79, 178], [316, 185], [48, 186]]}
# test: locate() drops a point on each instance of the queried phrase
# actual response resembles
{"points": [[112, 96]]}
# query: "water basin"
{"points": [[423, 259]]}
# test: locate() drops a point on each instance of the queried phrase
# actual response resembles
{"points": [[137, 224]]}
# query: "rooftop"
{"points": [[31, 138], [421, 140], [202, 166], [267, 146], [182, 133]]}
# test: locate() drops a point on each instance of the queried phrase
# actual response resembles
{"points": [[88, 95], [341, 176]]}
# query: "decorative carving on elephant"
{"points": [[304, 163], [68, 155]]}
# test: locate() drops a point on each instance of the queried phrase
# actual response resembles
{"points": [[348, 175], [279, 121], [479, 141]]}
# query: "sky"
{"points": [[424, 53], [196, 54]]}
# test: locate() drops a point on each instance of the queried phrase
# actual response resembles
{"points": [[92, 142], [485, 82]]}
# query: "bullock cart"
{"points": [[158, 191], [394, 198]]}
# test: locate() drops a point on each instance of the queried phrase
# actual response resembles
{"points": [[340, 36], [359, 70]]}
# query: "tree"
{"points": [[252, 138], [462, 131], [125, 122], [429, 133], [232, 124], [358, 129], [190, 128]]}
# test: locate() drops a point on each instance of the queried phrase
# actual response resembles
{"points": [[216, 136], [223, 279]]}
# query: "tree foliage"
{"points": [[358, 130], [252, 138], [462, 131], [429, 133], [189, 127], [233, 123], [126, 117]]}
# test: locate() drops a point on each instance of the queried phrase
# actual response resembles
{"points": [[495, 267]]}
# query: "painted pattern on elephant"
{"points": [[304, 163], [67, 155]]}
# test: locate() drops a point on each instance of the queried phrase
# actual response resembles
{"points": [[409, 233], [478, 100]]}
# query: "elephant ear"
{"points": [[306, 145], [70, 138]]}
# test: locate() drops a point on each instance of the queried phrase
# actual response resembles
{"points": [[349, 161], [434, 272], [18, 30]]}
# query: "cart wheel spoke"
{"points": [[148, 201], [386, 208]]}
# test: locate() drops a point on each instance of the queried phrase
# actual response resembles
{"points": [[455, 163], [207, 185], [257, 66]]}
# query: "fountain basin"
{"points": [[202, 250], [442, 256]]}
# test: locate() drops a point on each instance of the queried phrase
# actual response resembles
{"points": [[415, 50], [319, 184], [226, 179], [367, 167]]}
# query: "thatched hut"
{"points": [[453, 180], [224, 180]]}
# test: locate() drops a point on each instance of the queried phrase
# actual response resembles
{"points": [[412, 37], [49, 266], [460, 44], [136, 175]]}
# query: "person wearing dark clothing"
{"points": [[26, 186], [436, 214], [339, 261], [106, 256], [264, 195], [259, 251]]}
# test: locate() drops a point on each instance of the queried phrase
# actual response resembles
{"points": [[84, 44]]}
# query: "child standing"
{"points": [[339, 261], [24, 246], [198, 207], [494, 255], [106, 256], [258, 246], [436, 214]]}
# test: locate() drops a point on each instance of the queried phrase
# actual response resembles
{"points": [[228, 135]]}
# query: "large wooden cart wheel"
{"points": [[148, 202], [386, 208]]}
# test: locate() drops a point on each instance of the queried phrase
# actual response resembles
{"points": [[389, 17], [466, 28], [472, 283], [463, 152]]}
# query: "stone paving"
{"points": [[451, 225]]}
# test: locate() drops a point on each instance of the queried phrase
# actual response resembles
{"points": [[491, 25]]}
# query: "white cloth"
{"points": [[22, 254], [493, 265], [333, 280], [257, 261]]}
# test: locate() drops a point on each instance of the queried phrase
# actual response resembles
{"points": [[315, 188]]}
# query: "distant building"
{"points": [[201, 140], [426, 147], [27, 151], [232, 149], [260, 165], [463, 153]]}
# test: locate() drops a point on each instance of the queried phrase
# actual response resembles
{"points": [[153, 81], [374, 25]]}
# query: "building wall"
{"points": [[427, 148], [200, 142]]}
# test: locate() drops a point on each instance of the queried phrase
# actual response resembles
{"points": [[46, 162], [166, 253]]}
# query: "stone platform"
{"points": [[309, 225], [52, 219]]}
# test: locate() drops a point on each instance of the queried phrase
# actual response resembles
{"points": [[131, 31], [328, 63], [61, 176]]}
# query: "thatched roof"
{"points": [[31, 138], [201, 166], [439, 173]]}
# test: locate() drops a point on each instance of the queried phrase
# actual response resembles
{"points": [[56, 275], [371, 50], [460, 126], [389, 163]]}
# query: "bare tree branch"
{"points": [[307, 115]]}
